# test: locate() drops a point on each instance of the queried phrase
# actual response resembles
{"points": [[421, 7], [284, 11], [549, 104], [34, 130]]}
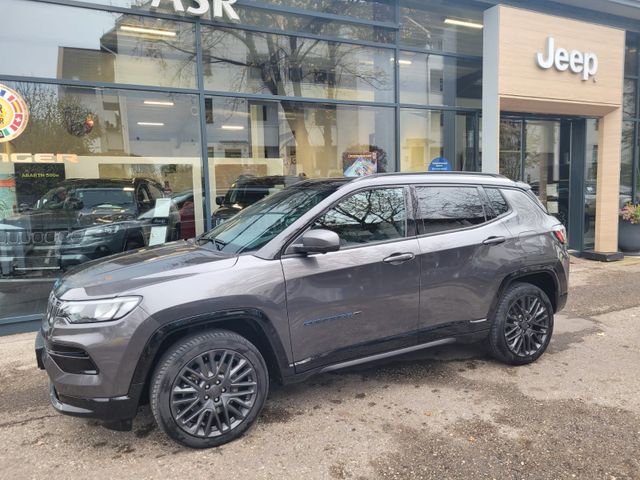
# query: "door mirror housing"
{"points": [[317, 241], [220, 200]]}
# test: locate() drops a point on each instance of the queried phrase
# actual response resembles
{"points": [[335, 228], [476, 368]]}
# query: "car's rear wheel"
{"points": [[522, 325], [208, 389]]}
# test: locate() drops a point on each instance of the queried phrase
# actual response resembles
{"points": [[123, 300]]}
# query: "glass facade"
{"points": [[630, 167], [143, 126]]}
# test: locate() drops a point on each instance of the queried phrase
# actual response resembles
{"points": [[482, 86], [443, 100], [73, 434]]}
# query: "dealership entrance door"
{"points": [[558, 157]]}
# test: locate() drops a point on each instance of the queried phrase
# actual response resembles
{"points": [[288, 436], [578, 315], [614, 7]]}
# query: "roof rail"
{"points": [[471, 174]]}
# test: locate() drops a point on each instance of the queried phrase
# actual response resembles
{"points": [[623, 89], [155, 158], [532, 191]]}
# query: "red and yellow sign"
{"points": [[14, 115]]}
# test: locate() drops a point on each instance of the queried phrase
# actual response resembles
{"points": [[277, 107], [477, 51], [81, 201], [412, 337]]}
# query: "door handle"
{"points": [[398, 258], [494, 241]]}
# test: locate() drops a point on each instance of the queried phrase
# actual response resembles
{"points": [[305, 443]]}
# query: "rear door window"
{"points": [[445, 208], [497, 202]]}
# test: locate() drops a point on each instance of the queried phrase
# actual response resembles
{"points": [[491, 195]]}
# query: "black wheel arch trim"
{"points": [[559, 297], [257, 318]]}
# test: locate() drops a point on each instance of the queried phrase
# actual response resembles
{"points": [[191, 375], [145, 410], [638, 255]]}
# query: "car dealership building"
{"points": [[186, 99]]}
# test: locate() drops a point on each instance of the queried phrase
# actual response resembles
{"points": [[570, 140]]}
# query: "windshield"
{"points": [[105, 197], [255, 226], [63, 197]]}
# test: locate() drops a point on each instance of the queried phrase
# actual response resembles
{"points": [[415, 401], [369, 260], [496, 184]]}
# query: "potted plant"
{"points": [[629, 228]]}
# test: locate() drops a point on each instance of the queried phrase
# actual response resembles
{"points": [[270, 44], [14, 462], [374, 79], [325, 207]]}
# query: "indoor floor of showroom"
{"points": [[451, 413]]}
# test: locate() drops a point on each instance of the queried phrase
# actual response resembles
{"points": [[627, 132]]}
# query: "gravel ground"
{"points": [[450, 413]]}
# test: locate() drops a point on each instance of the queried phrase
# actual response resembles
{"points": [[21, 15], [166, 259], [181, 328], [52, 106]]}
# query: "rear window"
{"points": [[449, 208], [497, 202], [537, 201]]}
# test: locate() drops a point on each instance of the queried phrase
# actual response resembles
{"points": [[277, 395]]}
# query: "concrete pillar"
{"points": [[608, 187], [490, 92]]}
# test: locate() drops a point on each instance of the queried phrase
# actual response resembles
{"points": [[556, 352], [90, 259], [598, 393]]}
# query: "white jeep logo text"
{"points": [[585, 63]]}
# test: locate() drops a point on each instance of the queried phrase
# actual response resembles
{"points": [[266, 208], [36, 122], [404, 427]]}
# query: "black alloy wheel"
{"points": [[213, 393], [526, 327], [522, 325], [209, 388]]}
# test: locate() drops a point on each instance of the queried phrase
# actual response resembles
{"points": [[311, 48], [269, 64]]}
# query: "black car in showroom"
{"points": [[82, 220], [246, 191]]}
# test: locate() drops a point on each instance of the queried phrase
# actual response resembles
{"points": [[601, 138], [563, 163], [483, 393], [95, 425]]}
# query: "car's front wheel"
{"points": [[209, 388], [522, 325]]}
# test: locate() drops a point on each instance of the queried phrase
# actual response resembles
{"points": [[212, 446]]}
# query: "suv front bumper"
{"points": [[109, 410]]}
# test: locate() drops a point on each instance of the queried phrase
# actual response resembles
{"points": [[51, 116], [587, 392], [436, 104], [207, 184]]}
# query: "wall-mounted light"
{"points": [[401, 61], [148, 31], [151, 124], [159, 103], [463, 23], [232, 127]]}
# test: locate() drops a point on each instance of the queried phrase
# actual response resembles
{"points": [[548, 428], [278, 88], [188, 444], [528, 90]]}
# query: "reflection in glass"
{"points": [[448, 208], [590, 183], [438, 25], [125, 173], [92, 45], [379, 10], [434, 80], [423, 139], [311, 24], [629, 98], [372, 216], [511, 148], [631, 55], [252, 62], [258, 147], [626, 166]]}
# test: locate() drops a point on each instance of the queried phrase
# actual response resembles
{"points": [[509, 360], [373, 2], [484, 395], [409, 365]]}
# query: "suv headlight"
{"points": [[93, 232], [97, 310]]}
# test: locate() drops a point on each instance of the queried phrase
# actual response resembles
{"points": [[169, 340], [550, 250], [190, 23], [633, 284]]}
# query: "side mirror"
{"points": [[318, 241], [219, 200]]}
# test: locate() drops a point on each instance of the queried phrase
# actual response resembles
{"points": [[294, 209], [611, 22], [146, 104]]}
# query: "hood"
{"points": [[128, 272], [65, 220]]}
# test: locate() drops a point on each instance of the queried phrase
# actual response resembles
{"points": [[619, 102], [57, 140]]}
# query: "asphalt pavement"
{"points": [[450, 413]]}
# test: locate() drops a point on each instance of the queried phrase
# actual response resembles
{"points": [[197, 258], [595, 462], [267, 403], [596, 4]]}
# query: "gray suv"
{"points": [[323, 275]]}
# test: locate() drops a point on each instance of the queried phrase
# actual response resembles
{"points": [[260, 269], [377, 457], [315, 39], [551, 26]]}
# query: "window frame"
{"points": [[481, 194], [410, 223]]}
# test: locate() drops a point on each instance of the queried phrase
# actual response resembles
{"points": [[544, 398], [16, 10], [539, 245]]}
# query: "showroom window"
{"points": [[96, 46], [262, 146], [129, 105], [261, 63], [630, 168], [441, 25], [424, 145], [96, 172]]}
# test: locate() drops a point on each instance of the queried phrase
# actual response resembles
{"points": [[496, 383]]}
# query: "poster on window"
{"points": [[360, 164], [7, 195]]}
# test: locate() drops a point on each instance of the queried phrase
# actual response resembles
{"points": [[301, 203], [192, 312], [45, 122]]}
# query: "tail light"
{"points": [[561, 234]]}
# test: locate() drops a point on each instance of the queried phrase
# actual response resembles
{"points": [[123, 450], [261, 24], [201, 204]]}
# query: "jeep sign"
{"points": [[585, 63], [200, 8]]}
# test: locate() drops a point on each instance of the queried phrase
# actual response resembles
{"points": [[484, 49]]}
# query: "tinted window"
{"points": [[371, 216], [497, 201], [449, 208], [256, 225]]}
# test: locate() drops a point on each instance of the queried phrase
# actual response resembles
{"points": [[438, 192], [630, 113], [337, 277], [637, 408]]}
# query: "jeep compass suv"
{"points": [[323, 275]]}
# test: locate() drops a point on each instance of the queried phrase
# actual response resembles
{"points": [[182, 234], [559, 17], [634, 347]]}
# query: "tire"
{"points": [[210, 404], [132, 244], [522, 325]]}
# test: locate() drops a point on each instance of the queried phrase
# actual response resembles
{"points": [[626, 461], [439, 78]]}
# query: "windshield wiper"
{"points": [[219, 244]]}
